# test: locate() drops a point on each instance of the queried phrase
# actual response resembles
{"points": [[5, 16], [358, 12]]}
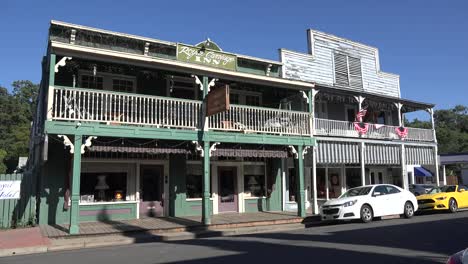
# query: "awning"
{"points": [[333, 152], [250, 153], [418, 155], [124, 149], [420, 171], [379, 154]]}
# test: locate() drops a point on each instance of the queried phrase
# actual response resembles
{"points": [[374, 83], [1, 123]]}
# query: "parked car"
{"points": [[449, 197], [370, 201], [418, 189], [460, 257]]}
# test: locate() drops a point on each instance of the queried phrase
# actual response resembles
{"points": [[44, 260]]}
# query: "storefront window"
{"points": [[353, 177], [194, 181], [334, 185], [103, 187], [321, 184], [254, 180]]}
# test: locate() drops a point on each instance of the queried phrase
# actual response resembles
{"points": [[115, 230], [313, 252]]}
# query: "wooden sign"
{"points": [[217, 100]]}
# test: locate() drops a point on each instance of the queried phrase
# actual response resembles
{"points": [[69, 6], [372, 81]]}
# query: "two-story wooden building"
{"points": [[121, 130], [349, 152]]}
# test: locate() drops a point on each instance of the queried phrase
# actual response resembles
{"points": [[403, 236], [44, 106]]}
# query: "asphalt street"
{"points": [[423, 239]]}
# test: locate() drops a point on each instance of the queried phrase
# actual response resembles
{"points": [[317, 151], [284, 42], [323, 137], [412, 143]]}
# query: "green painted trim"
{"points": [[301, 211], [103, 130], [52, 63], [195, 208], [255, 205], [75, 187], [104, 212], [275, 197]]}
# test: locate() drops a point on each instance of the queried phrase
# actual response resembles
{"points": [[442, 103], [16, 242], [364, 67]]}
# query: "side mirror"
{"points": [[462, 190], [376, 194]]}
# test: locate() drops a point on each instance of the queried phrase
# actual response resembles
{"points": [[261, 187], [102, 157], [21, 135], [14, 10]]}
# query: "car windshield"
{"points": [[356, 192], [442, 189]]}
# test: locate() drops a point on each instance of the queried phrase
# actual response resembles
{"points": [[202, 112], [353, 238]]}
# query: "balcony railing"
{"points": [[124, 108], [249, 119], [336, 128]]}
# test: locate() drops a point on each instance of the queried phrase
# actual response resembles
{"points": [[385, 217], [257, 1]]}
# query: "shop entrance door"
{"points": [[227, 181], [376, 176], [151, 191]]}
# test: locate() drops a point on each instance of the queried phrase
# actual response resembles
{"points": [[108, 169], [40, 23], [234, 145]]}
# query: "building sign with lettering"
{"points": [[10, 189], [217, 101], [206, 57]]}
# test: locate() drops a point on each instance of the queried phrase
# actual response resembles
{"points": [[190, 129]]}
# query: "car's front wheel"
{"points": [[409, 210], [453, 206], [366, 213]]}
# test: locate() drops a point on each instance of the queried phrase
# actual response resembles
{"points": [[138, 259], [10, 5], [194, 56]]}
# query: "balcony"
{"points": [[114, 108], [336, 128]]}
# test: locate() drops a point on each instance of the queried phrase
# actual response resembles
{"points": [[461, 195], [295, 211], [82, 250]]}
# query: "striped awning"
{"points": [[379, 154], [418, 155], [125, 149], [334, 152], [250, 153]]}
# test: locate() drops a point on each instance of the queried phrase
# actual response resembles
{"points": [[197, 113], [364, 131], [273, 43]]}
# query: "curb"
{"points": [[64, 244]]}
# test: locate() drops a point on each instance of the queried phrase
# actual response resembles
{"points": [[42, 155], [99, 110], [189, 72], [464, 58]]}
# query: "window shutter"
{"points": [[341, 70], [355, 74]]}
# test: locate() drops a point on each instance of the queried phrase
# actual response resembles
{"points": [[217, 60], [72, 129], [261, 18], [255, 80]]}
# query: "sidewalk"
{"points": [[32, 240]]}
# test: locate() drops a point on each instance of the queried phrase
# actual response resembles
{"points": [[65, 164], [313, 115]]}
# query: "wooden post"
{"points": [[301, 211], [444, 175], [363, 166], [436, 164], [206, 214], [75, 187], [50, 89], [404, 170], [327, 189], [314, 178]]}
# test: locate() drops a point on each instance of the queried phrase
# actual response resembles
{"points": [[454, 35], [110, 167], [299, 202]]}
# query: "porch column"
{"points": [[399, 106], [314, 179], [311, 95], [444, 175], [206, 214], [404, 170], [75, 187], [300, 182], [50, 89], [436, 164], [363, 166]]}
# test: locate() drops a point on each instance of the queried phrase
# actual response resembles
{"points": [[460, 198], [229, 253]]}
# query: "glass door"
{"points": [[151, 191], [227, 182]]}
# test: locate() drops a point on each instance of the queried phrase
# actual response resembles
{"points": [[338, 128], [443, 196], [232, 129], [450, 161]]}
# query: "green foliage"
{"points": [[16, 115], [3, 167], [451, 128]]}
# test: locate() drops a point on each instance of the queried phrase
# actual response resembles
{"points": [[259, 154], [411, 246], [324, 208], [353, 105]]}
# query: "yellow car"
{"points": [[449, 197]]}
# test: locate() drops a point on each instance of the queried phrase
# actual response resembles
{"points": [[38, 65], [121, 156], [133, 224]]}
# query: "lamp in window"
{"points": [[101, 186], [118, 195], [252, 183]]}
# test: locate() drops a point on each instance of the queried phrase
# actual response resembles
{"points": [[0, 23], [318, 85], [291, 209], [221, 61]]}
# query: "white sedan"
{"points": [[370, 201]]}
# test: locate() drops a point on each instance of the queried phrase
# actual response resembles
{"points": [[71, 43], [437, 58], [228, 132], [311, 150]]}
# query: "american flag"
{"points": [[361, 127], [362, 113], [402, 132]]}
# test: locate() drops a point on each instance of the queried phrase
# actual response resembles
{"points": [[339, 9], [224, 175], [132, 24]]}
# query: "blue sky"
{"points": [[425, 42]]}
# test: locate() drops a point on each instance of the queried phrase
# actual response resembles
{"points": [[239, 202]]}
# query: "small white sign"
{"points": [[10, 189]]}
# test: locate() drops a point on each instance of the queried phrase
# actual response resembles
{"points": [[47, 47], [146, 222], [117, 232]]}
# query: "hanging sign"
{"points": [[206, 57], [10, 189], [217, 100]]}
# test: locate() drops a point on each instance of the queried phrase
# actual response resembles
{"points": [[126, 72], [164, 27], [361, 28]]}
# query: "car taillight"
{"points": [[451, 260]]}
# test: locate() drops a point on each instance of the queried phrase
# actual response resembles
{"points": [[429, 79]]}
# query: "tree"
{"points": [[451, 128], [16, 115]]}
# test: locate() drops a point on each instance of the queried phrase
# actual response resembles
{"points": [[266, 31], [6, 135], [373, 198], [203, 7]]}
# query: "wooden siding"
{"points": [[318, 66]]}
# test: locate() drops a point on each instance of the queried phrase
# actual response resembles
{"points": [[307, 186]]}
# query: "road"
{"points": [[422, 239]]}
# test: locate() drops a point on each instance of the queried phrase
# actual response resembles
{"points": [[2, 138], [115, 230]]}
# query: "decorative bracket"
{"points": [[199, 148], [145, 52], [72, 36], [67, 142], [294, 152], [398, 105], [305, 151], [304, 95], [87, 143], [213, 147], [314, 92], [212, 83], [62, 62], [359, 99], [268, 69], [197, 81]]}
